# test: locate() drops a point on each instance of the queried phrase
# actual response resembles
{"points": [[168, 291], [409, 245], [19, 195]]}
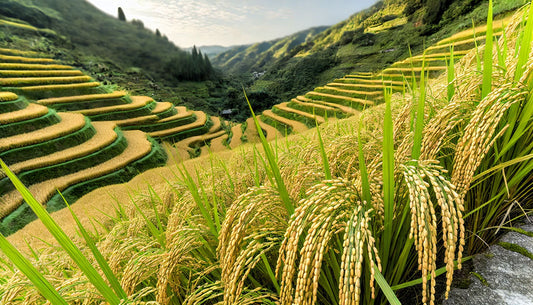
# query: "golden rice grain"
{"points": [[28, 113]]}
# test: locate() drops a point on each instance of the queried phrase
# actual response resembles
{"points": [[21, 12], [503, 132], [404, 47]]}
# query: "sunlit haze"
{"points": [[232, 22]]}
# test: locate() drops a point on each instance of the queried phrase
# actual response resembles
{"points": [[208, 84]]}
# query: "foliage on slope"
{"points": [[259, 56]]}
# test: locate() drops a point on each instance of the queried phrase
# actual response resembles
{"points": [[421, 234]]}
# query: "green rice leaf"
{"points": [[98, 255], [44, 287], [282, 189], [388, 177], [65, 242], [385, 287], [486, 86]]}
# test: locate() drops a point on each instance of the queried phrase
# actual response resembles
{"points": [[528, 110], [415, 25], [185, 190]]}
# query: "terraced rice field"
{"points": [[51, 151], [348, 95], [59, 103]]}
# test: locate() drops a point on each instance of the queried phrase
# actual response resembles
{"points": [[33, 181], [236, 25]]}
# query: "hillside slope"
{"points": [[259, 56], [368, 41], [94, 32]]}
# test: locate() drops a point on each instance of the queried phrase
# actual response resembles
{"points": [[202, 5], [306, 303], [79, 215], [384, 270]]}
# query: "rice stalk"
{"points": [[480, 134], [424, 222], [65, 242], [486, 85]]}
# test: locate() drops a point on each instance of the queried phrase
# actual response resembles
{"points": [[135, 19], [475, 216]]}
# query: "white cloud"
{"points": [[227, 22]]}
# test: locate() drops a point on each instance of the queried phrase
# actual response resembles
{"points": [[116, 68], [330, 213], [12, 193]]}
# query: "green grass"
{"points": [[10, 106]]}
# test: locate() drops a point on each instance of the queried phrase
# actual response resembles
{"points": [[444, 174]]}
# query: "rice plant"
{"points": [[21, 59], [28, 113], [34, 81], [81, 98], [40, 73], [105, 135], [353, 213], [138, 147], [7, 96], [69, 123], [21, 66]]}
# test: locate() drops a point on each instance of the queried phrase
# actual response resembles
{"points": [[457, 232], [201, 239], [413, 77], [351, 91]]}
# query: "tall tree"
{"points": [[121, 15], [157, 33]]}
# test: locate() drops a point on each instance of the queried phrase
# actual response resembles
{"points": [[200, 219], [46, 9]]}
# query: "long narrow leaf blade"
{"points": [[486, 86], [44, 287], [387, 290], [106, 269], [388, 177], [65, 242]]}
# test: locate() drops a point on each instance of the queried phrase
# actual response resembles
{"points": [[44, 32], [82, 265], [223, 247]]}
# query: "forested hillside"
{"points": [[368, 41], [259, 57], [126, 43]]}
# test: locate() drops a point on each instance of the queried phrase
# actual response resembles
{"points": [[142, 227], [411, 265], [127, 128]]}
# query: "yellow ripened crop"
{"points": [[182, 113], [7, 96], [479, 30], [20, 66], [414, 69], [138, 147], [70, 122], [201, 119], [137, 102], [30, 81], [193, 141], [286, 108], [60, 87], [18, 52], [295, 125], [447, 46], [162, 107], [39, 73], [317, 103], [105, 135], [18, 25], [142, 120], [81, 98], [271, 132], [350, 99], [21, 59], [28, 113]]}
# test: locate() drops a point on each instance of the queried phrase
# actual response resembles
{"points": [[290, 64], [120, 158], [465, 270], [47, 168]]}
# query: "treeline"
{"points": [[192, 67], [182, 66]]}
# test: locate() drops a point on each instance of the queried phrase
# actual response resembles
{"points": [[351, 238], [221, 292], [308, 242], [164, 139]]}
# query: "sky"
{"points": [[232, 22]]}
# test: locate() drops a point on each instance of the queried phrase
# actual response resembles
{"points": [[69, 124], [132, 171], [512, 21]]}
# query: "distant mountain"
{"points": [[258, 57], [367, 41]]}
